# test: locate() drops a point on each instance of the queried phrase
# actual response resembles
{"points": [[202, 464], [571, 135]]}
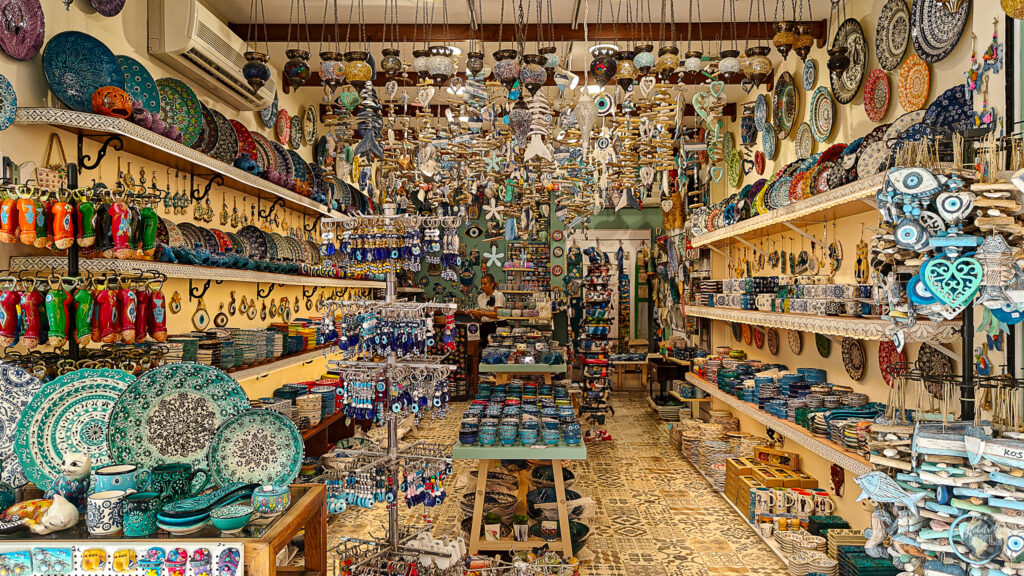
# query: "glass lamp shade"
{"points": [[603, 66], [533, 75], [625, 70], [729, 64], [838, 60], [391, 63], [255, 70], [475, 62], [419, 62], [804, 41], [643, 58], [551, 59], [757, 66], [668, 61], [519, 119], [357, 71], [296, 69], [440, 65], [585, 112], [332, 69], [784, 38], [506, 69], [694, 62]]}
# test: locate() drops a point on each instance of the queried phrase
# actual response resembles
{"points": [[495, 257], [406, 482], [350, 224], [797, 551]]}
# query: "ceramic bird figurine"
{"points": [[73, 483]]}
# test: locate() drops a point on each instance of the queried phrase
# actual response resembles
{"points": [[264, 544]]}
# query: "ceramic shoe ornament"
{"points": [[152, 561], [73, 482], [227, 562], [176, 560]]}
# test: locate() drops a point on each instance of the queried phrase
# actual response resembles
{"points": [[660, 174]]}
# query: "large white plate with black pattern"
{"points": [[261, 446], [19, 386]]}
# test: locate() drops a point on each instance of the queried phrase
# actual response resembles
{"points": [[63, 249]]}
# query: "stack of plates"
{"points": [[289, 392], [308, 406], [822, 525], [227, 354], [789, 540], [791, 407], [844, 537], [855, 399], [182, 349], [713, 454], [854, 561], [327, 394], [276, 404], [819, 426], [210, 353], [275, 344]]}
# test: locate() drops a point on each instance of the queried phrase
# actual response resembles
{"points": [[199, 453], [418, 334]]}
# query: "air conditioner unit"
{"points": [[186, 36]]}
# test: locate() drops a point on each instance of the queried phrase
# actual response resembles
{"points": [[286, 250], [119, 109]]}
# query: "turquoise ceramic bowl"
{"points": [[231, 518]]}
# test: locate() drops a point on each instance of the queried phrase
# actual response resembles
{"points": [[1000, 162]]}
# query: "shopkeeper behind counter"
{"points": [[488, 302]]}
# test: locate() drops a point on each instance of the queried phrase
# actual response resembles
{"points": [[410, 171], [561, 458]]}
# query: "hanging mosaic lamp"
{"points": [[255, 70], [625, 70], [757, 66], [440, 65], [643, 58], [506, 69], [475, 62], [1013, 8], [533, 75], [551, 59], [585, 112], [804, 41], [729, 64], [391, 63], [419, 62], [357, 70], [519, 120], [332, 69], [694, 62], [668, 61], [296, 69], [838, 59], [784, 38], [603, 66]]}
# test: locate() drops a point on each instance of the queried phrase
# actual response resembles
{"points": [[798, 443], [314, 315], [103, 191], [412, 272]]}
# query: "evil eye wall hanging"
{"points": [[474, 231], [911, 234], [604, 104], [557, 251]]}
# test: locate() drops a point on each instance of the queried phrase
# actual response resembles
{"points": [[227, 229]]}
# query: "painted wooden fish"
{"points": [[878, 486], [370, 124]]}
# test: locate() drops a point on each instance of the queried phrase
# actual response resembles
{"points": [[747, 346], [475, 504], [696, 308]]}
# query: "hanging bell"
{"points": [[757, 65], [643, 58], [440, 65], [296, 69], [551, 59], [332, 70], [532, 75], [391, 63], [357, 70], [729, 64], [506, 69], [255, 70], [838, 60], [668, 61], [694, 62], [603, 66], [784, 38], [475, 62], [804, 41]]}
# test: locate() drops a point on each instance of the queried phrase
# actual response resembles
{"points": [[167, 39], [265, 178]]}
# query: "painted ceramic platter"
{"points": [[298, 165], [876, 94], [900, 125], [796, 341], [822, 114], [76, 65], [269, 114], [226, 147], [295, 133], [854, 358], [68, 414], [768, 142], [851, 36], [892, 35], [734, 165], [22, 28], [953, 108], [179, 107], [760, 112], [108, 8], [914, 83], [246, 144], [873, 159], [804, 141], [208, 133], [139, 84], [284, 161], [310, 125], [934, 30], [823, 344], [785, 103], [19, 387], [758, 338], [772, 336], [746, 331], [931, 362], [171, 413], [8, 103], [889, 356], [261, 446], [268, 158], [737, 331], [810, 74], [282, 126]]}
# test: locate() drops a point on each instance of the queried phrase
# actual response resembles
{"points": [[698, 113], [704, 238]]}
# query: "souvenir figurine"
{"points": [[73, 483], [176, 560], [878, 486]]}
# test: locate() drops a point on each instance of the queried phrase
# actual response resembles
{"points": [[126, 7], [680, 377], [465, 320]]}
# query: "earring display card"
{"points": [[123, 557]]}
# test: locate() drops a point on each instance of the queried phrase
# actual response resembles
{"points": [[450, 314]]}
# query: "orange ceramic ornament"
{"points": [[112, 101]]}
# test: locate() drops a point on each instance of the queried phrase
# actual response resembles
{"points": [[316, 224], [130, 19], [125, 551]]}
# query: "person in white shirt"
{"points": [[488, 302]]}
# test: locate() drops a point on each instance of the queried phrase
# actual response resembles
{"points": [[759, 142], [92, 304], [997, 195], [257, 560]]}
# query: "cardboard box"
{"points": [[777, 458], [768, 476], [806, 480]]}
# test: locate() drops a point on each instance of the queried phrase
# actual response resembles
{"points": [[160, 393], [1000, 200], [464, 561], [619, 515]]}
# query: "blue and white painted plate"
{"points": [[261, 446], [76, 65], [19, 387], [139, 83], [269, 114], [810, 74], [8, 103]]}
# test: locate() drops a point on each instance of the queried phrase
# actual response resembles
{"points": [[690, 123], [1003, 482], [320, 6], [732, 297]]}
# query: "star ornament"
{"points": [[493, 162], [494, 257], [492, 210]]}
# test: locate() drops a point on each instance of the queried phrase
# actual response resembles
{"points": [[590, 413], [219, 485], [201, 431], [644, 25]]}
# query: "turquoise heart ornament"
{"points": [[953, 282]]}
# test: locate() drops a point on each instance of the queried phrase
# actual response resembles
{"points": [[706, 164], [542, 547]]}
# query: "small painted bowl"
{"points": [[231, 518], [271, 500]]}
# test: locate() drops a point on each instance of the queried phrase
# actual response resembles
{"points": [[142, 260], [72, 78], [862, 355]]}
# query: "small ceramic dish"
{"points": [[231, 518]]}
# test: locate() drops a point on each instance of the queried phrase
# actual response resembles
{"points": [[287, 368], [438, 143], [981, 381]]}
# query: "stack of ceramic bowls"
{"points": [[327, 394], [488, 431], [308, 406], [468, 431]]}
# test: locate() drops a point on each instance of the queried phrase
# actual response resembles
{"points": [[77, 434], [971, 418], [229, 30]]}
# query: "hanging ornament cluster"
{"points": [[255, 70]]}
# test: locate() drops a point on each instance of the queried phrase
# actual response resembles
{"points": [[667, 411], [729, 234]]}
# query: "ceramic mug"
{"points": [[764, 499], [139, 512], [806, 504], [823, 504], [177, 481], [767, 529], [120, 477], [105, 512]]}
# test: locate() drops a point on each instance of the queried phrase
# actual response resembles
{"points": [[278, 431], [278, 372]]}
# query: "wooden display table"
{"points": [[504, 372], [621, 366], [487, 454]]}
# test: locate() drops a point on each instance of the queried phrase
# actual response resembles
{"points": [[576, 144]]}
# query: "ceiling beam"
{"points": [[438, 110], [564, 32]]}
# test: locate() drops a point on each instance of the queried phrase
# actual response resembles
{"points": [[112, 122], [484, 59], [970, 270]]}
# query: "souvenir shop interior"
{"points": [[524, 287]]}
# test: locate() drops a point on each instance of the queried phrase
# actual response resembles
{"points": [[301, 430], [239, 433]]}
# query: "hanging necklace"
{"points": [[835, 251], [860, 267]]}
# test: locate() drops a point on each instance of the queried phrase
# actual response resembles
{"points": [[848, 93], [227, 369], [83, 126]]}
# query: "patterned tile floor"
{"points": [[656, 515]]}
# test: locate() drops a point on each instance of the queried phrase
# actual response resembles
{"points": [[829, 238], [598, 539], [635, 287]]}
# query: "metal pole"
{"points": [[73, 262], [966, 365], [393, 536]]}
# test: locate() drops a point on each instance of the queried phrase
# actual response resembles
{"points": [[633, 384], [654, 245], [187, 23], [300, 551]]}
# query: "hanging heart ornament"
{"points": [[646, 85], [666, 205], [953, 282], [390, 89], [716, 173], [425, 95], [954, 206]]}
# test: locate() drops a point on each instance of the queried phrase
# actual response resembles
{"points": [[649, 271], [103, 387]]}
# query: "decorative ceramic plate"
{"points": [[785, 103], [179, 107], [310, 127], [226, 148], [758, 334], [108, 8], [268, 158], [876, 94], [19, 387], [846, 85], [746, 334], [934, 30], [823, 344], [810, 74], [8, 103], [283, 126], [261, 446], [768, 142], [854, 358], [931, 362], [284, 161], [772, 336], [208, 132], [139, 84], [269, 114], [737, 331], [171, 413], [796, 341], [734, 165], [246, 144], [295, 133], [822, 114], [888, 355], [900, 125], [76, 65], [914, 83], [954, 109], [22, 28], [760, 112], [892, 34], [873, 159], [804, 141], [68, 414]]}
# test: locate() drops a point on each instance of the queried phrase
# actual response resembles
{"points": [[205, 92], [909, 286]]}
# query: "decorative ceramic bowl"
{"points": [[231, 518], [271, 500]]}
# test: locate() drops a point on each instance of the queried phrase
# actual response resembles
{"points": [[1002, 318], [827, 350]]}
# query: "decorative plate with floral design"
{"points": [[851, 36], [768, 142], [823, 114], [179, 107], [772, 336], [935, 30], [19, 387], [283, 126], [854, 358], [796, 341], [876, 94], [804, 141], [785, 102], [261, 446], [892, 34], [889, 356], [914, 83]]}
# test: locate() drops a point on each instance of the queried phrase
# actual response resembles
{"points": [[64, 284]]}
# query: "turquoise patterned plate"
{"points": [[8, 103], [19, 387], [768, 141], [269, 114], [261, 446], [139, 84], [68, 414], [179, 107], [810, 74], [171, 414], [76, 65]]}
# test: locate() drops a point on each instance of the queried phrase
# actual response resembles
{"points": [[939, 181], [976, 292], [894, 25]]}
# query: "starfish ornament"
{"points": [[493, 162], [492, 210], [494, 257]]}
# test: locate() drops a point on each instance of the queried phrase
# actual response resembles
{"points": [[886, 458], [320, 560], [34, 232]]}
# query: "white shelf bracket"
{"points": [[870, 202], [810, 237], [756, 250], [955, 356], [718, 251]]}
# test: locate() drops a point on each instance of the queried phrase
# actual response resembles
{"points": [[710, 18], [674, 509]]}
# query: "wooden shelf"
{"points": [[261, 370], [677, 361], [825, 448], [160, 150], [676, 395], [185, 271], [561, 451], [845, 326], [322, 425], [771, 543]]}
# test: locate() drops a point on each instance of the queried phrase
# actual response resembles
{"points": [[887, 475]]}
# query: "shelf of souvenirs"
{"points": [[186, 271], [823, 447], [839, 326], [153, 147], [276, 365]]}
